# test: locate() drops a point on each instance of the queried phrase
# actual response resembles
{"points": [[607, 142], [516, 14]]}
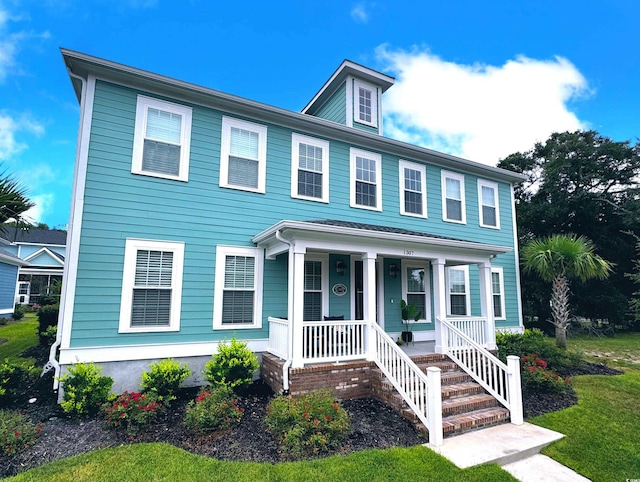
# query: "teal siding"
{"points": [[119, 204], [335, 109]]}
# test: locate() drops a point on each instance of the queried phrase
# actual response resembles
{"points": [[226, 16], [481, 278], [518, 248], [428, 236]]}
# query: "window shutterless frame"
{"points": [[243, 155], [458, 298], [453, 198], [497, 291], [365, 103], [365, 180], [413, 189], [488, 204], [309, 168]]}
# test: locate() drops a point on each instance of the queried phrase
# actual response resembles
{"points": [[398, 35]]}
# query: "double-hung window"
{"points": [[151, 286], [313, 292], [309, 168], [366, 180], [453, 204], [243, 155], [161, 140], [489, 211], [238, 288], [366, 103], [415, 287], [413, 189], [497, 290], [458, 300]]}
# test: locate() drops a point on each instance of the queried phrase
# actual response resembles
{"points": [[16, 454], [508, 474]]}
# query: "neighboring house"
{"points": [[44, 252], [9, 267], [198, 216]]}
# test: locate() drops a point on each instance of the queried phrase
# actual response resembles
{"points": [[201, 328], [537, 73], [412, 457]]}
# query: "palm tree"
{"points": [[558, 258], [13, 199]]}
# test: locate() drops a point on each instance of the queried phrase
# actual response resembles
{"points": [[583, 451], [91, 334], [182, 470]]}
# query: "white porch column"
{"points": [[486, 304], [296, 312], [369, 296], [439, 301]]}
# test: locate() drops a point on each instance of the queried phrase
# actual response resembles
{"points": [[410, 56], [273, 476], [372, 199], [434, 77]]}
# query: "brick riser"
{"points": [[465, 404]]}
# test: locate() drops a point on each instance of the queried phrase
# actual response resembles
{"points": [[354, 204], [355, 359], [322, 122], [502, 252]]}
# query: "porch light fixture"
{"points": [[341, 267], [393, 271]]}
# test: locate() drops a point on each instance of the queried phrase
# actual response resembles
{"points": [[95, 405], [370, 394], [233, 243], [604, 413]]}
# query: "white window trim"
{"points": [[357, 84], [502, 300], [132, 246], [492, 185], [459, 177], [353, 153], [221, 253], [324, 263], [423, 171], [225, 147], [422, 264], [465, 269], [296, 140], [143, 103]]}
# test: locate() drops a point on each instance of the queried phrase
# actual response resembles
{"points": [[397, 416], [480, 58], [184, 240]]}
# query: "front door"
{"points": [[358, 291]]}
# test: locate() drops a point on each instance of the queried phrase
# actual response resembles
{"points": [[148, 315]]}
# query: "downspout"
{"points": [[287, 363], [53, 362]]}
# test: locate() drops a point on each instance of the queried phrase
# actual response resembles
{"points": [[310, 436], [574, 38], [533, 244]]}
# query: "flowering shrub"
{"points": [[537, 376], [85, 389], [233, 365], [213, 409], [17, 432], [308, 424], [164, 379], [132, 411]]}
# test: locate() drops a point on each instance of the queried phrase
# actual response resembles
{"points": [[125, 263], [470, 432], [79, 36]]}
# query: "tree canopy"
{"points": [[13, 199]]}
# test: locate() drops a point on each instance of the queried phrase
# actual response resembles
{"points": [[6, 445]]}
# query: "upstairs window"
{"points": [[497, 290], [243, 157], [366, 103], [458, 301], [161, 140], [413, 189], [151, 286], [309, 168], [366, 180], [453, 203], [489, 211], [238, 288]]}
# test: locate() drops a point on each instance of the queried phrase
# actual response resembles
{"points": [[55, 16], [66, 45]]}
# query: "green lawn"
{"points": [[20, 336], [602, 440]]}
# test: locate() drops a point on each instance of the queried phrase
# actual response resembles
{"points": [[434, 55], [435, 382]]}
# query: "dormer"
{"points": [[353, 97]]}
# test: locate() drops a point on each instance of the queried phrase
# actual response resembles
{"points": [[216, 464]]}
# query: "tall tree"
{"points": [[13, 199], [559, 258], [583, 183]]}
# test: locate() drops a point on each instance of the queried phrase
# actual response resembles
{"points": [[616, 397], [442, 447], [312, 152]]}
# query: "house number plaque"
{"points": [[339, 289]]}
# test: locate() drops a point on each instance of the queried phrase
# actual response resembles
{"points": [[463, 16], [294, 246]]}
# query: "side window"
{"points": [[488, 202], [415, 287], [309, 168], [243, 155], [238, 288], [161, 140], [497, 289], [366, 180], [366, 103], [413, 189], [458, 300], [453, 202], [151, 286], [313, 296]]}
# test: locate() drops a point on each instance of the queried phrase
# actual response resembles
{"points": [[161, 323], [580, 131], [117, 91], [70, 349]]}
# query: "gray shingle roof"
{"points": [[374, 227], [36, 236]]}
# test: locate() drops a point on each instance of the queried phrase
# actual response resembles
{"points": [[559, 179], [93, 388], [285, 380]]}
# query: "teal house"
{"points": [[198, 216]]}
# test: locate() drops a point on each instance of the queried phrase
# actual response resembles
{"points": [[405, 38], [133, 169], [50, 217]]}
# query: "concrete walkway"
{"points": [[515, 447]]}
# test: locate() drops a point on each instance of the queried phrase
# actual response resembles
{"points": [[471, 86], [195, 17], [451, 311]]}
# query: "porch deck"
{"points": [[419, 348]]}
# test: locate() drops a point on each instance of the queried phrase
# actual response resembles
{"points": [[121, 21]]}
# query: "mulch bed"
{"points": [[373, 425]]}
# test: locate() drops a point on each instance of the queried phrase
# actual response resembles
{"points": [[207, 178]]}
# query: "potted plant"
{"points": [[410, 314]]}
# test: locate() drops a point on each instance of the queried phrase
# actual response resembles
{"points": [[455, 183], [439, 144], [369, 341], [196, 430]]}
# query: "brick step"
{"points": [[459, 390], [429, 358], [444, 366], [455, 377], [486, 417], [460, 405]]}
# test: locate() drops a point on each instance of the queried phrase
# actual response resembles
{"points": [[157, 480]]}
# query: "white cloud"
{"points": [[9, 127], [43, 205], [359, 13], [479, 112]]}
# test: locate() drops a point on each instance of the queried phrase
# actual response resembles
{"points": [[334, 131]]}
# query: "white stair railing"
{"points": [[500, 380], [419, 390]]}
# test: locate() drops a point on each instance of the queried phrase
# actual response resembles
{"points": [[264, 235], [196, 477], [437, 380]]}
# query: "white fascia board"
{"points": [[82, 64]]}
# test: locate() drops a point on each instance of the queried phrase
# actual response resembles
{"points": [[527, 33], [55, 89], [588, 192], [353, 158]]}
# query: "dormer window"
{"points": [[366, 103]]}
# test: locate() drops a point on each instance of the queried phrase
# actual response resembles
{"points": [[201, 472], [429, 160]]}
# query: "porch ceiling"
{"points": [[346, 236]]}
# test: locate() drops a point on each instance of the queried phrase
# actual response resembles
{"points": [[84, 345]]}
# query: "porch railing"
{"points": [[500, 380], [422, 392], [333, 340], [279, 337], [474, 327]]}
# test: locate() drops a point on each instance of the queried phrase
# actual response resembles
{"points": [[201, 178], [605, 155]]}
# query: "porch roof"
{"points": [[346, 234]]}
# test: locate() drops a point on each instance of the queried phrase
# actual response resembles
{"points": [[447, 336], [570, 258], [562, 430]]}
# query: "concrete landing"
{"points": [[515, 447]]}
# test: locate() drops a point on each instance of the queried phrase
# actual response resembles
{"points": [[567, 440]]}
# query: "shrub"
{"points": [[536, 342], [47, 337], [85, 389], [14, 378], [308, 424], [17, 432], [47, 316], [536, 376], [18, 312], [132, 411], [233, 365], [164, 378], [213, 409]]}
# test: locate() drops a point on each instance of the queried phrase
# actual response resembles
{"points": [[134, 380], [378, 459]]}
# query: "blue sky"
{"points": [[476, 79]]}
